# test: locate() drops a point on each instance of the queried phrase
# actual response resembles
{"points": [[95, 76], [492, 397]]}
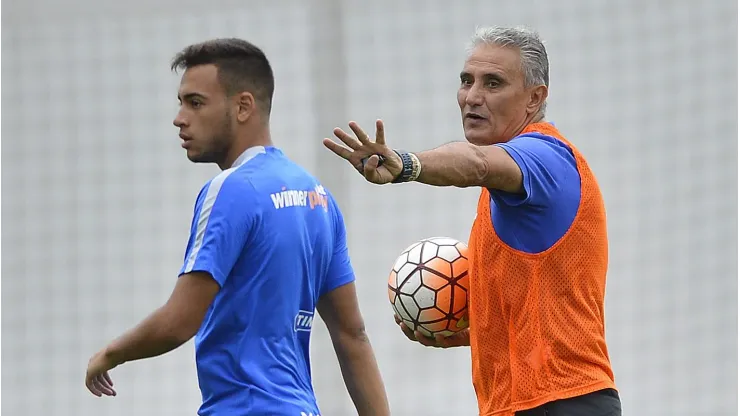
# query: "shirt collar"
{"points": [[247, 155]]}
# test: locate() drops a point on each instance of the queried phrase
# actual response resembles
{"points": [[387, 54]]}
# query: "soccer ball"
{"points": [[428, 286]]}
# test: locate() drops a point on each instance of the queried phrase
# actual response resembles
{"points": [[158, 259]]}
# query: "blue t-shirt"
{"points": [[536, 219], [274, 240]]}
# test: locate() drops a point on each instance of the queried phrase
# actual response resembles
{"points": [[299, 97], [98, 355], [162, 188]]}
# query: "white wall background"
{"points": [[97, 194]]}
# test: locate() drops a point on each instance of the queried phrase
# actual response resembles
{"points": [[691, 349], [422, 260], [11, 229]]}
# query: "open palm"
{"points": [[377, 162]]}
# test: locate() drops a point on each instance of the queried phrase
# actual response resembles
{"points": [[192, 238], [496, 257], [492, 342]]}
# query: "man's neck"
{"points": [[241, 145], [528, 122]]}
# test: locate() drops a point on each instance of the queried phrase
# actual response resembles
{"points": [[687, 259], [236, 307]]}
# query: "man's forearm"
{"points": [[361, 375], [457, 164], [154, 336]]}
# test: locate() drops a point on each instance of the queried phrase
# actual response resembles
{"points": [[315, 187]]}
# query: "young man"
{"points": [[538, 245], [267, 247]]}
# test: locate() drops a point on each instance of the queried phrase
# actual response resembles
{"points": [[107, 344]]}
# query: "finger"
{"points": [[103, 386], [379, 132], [405, 327], [425, 340], [407, 331], [442, 341], [108, 379], [397, 318], [99, 387], [350, 141], [338, 149], [91, 386], [102, 381], [360, 133]]}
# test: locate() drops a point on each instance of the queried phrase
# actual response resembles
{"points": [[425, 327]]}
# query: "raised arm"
{"points": [[457, 164], [464, 165]]}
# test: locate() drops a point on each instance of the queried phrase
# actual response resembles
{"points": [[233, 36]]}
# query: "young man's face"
{"points": [[204, 118]]}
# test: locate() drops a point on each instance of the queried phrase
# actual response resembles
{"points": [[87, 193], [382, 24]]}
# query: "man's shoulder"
{"points": [[545, 148], [226, 185], [539, 140], [233, 180]]}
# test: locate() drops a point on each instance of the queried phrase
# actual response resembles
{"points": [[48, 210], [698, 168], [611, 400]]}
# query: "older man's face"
{"points": [[494, 103]]}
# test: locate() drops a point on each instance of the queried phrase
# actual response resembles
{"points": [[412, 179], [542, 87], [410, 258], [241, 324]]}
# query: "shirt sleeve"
{"points": [[225, 213], [547, 166], [340, 270]]}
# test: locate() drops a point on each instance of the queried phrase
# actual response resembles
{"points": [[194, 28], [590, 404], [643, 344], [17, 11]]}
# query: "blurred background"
{"points": [[97, 194]]}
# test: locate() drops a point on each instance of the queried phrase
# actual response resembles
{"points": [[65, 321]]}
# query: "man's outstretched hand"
{"points": [[365, 155]]}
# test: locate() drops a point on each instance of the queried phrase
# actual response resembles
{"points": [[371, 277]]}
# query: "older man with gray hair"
{"points": [[539, 248]]}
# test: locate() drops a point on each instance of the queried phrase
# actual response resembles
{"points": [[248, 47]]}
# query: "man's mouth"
{"points": [[474, 116]]}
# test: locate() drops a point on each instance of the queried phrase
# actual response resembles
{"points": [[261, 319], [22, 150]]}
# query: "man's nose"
{"points": [[474, 97], [179, 120]]}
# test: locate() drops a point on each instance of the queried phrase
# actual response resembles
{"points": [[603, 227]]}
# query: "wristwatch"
{"points": [[410, 166]]}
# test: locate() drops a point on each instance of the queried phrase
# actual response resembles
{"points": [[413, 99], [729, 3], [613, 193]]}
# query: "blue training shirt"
{"points": [[274, 240], [535, 220]]}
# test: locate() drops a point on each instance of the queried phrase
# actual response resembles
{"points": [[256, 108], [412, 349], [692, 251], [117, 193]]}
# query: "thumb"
{"points": [[370, 170]]}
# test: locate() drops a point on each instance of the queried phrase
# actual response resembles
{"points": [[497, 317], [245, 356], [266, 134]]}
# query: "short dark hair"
{"points": [[242, 66]]}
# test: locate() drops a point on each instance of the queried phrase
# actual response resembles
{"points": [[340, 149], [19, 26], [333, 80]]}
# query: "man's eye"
{"points": [[195, 104]]}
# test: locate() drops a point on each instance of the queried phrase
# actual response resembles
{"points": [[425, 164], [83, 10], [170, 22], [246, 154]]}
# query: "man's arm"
{"points": [[171, 325], [340, 311], [221, 223], [464, 165], [457, 164], [338, 307]]}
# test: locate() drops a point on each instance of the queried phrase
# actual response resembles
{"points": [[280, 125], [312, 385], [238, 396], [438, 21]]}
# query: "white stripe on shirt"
{"points": [[210, 200]]}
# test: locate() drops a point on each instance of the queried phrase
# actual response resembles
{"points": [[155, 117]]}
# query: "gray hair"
{"points": [[532, 51]]}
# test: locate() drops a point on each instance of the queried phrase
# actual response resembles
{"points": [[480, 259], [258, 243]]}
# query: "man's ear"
{"points": [[537, 97], [246, 106]]}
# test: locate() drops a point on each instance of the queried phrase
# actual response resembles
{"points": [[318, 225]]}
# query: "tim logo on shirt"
{"points": [[303, 321], [287, 198]]}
